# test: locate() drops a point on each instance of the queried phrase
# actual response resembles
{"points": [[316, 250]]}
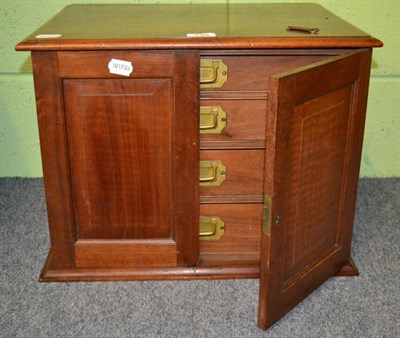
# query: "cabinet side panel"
{"points": [[54, 157], [119, 138]]}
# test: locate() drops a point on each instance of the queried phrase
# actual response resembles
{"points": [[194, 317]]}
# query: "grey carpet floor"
{"points": [[364, 306]]}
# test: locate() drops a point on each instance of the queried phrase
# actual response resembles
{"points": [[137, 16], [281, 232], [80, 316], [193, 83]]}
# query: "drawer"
{"points": [[247, 73], [242, 176], [225, 123], [242, 230]]}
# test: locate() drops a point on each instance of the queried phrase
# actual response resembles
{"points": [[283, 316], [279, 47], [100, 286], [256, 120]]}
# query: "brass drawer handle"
{"points": [[212, 120], [208, 71], [213, 73], [211, 227], [212, 173]]}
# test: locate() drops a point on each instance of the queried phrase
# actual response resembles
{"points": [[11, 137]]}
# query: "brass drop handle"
{"points": [[208, 121], [213, 73], [211, 227], [208, 227], [208, 173], [212, 120], [205, 71], [212, 173]]}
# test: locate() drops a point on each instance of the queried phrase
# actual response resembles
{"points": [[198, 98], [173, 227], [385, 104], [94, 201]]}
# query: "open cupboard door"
{"points": [[315, 130]]}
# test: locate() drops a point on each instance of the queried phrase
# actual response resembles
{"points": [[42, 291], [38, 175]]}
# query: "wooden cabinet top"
{"points": [[102, 27]]}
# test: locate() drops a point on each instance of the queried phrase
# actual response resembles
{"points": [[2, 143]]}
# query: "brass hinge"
{"points": [[267, 215]]}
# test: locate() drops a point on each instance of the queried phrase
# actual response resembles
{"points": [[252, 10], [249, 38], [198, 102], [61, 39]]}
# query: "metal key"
{"points": [[303, 29]]}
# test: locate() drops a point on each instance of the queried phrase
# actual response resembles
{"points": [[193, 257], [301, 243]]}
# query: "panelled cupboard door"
{"points": [[130, 144], [314, 139]]}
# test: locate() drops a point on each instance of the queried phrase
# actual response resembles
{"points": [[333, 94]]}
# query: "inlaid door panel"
{"points": [[317, 163], [314, 140]]}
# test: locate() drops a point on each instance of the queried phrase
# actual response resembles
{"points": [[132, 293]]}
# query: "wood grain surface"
{"points": [[251, 73], [55, 162], [244, 175], [245, 123], [103, 140], [242, 229], [95, 65], [315, 134], [101, 27], [119, 190]]}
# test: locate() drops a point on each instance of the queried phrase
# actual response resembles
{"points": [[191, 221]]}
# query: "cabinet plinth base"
{"points": [[243, 270], [204, 271]]}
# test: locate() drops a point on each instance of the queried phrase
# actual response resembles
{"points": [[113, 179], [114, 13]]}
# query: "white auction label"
{"points": [[201, 35], [48, 36], [120, 67]]}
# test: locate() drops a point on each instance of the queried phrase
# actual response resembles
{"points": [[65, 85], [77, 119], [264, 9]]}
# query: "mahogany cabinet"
{"points": [[226, 155]]}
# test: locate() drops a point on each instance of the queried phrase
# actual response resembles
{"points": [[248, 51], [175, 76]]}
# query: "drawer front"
{"points": [[243, 171], [242, 229], [250, 73], [238, 123]]}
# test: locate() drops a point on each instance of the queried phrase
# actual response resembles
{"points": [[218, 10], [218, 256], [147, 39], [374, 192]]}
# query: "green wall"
{"points": [[19, 144]]}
